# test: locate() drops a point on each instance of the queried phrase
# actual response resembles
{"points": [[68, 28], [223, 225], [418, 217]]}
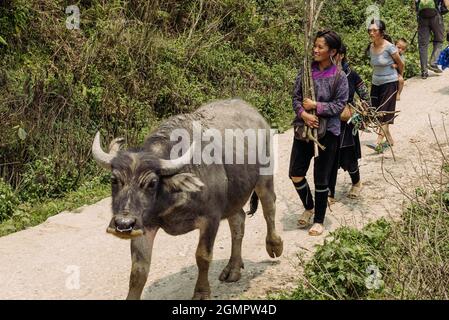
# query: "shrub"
{"points": [[43, 180], [8, 200], [341, 267]]}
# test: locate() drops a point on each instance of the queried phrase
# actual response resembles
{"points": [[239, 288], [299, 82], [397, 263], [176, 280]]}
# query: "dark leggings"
{"points": [[346, 159], [302, 154]]}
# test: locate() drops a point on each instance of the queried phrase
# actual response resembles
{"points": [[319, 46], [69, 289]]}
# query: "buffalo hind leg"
{"points": [[231, 272], [265, 192], [204, 252], [141, 249]]}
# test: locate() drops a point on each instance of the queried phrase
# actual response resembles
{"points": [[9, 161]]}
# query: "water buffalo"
{"points": [[152, 189]]}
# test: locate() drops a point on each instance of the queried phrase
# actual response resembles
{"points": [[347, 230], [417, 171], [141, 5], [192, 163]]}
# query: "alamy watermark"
{"points": [[72, 282], [252, 146], [374, 278], [73, 21]]}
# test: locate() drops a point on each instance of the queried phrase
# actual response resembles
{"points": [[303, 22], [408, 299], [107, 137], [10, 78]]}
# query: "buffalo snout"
{"points": [[124, 226], [124, 223]]}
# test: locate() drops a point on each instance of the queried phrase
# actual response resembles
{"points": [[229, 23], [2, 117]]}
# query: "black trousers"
{"points": [[302, 154]]}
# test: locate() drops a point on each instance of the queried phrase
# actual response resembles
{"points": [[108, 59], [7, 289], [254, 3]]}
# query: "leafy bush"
{"points": [[8, 200], [42, 180], [340, 268]]}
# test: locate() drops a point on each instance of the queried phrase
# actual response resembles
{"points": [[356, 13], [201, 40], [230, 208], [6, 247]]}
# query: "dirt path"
{"points": [[43, 262]]}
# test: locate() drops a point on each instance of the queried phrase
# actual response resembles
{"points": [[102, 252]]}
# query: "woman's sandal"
{"points": [[316, 230], [304, 219], [355, 191]]}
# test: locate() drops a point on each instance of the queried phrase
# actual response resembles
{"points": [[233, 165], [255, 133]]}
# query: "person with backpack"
{"points": [[331, 94], [430, 21]]}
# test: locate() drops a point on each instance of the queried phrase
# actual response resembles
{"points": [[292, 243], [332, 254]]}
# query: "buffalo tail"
{"points": [[253, 204]]}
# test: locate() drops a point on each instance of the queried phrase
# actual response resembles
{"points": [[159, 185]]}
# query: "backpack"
{"points": [[427, 8], [443, 60]]}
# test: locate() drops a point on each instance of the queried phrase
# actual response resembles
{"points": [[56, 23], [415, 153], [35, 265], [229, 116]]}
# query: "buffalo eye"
{"points": [[151, 184], [114, 180]]}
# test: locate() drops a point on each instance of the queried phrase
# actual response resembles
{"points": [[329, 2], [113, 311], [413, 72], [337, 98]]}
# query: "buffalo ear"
{"points": [[185, 182]]}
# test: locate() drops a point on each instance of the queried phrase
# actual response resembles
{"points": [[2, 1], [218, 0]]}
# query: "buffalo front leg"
{"points": [[141, 249], [267, 196], [204, 252], [231, 272]]}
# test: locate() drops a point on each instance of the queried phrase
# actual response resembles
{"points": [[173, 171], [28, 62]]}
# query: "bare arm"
{"points": [[446, 2], [397, 59]]}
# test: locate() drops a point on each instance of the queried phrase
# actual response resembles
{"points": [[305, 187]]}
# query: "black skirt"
{"points": [[383, 98], [349, 150]]}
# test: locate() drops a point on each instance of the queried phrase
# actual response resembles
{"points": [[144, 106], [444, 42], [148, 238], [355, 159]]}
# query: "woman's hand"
{"points": [[310, 120], [309, 104]]}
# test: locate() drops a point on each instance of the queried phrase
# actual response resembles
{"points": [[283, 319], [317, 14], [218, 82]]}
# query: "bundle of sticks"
{"points": [[369, 119], [311, 14]]}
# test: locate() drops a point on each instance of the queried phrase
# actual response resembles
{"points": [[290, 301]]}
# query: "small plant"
{"points": [[8, 200], [44, 179]]}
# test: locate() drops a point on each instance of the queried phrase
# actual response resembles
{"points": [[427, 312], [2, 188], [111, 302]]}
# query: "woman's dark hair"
{"points": [[332, 39], [383, 32], [343, 50], [380, 25]]}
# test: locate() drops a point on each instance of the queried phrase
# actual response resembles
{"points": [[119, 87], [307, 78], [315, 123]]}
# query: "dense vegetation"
{"points": [[132, 63]]}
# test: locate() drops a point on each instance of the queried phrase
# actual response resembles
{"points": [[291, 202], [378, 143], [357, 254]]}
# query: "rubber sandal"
{"points": [[316, 230], [304, 219], [331, 200], [354, 193]]}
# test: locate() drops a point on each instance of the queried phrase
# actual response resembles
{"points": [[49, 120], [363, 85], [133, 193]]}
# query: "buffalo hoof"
{"points": [[201, 295], [230, 273], [275, 247]]}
